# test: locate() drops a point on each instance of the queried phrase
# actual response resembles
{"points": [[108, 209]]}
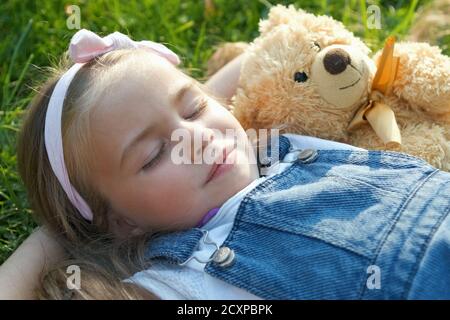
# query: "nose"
{"points": [[197, 149], [336, 61]]}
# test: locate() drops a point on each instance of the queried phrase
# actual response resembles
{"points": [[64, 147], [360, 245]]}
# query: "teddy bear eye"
{"points": [[300, 77], [317, 46]]}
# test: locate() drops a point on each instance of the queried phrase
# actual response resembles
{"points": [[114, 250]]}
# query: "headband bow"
{"points": [[84, 46]]}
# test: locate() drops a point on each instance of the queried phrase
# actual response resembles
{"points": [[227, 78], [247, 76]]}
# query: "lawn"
{"points": [[35, 34]]}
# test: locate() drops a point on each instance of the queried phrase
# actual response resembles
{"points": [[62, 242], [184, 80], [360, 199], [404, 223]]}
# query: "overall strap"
{"points": [[176, 247], [281, 146]]}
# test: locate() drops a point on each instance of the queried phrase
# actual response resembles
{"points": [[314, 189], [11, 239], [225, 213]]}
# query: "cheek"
{"points": [[164, 196]]}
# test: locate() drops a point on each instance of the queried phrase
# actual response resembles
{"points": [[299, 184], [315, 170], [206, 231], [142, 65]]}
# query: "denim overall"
{"points": [[336, 224]]}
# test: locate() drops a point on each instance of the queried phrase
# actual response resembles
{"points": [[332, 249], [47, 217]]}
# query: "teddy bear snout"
{"points": [[336, 61], [341, 74]]}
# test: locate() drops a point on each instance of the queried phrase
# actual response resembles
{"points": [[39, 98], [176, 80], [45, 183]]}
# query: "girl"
{"points": [[329, 221]]}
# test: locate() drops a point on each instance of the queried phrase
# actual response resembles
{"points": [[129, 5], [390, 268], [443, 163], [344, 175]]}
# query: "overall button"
{"points": [[224, 257], [308, 155], [265, 161]]}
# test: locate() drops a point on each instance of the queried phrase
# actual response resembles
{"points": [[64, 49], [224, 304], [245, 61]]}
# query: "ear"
{"points": [[279, 15], [329, 30], [122, 226]]}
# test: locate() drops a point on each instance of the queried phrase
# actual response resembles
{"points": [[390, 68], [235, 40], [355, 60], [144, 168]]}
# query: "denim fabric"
{"points": [[312, 231]]}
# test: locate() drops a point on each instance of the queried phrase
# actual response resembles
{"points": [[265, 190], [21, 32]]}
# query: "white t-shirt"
{"points": [[173, 282]]}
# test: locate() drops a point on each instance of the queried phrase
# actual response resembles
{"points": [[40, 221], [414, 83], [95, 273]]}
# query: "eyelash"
{"points": [[156, 159], [200, 108]]}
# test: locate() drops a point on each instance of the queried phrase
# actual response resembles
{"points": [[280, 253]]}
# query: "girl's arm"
{"points": [[21, 272], [224, 82]]}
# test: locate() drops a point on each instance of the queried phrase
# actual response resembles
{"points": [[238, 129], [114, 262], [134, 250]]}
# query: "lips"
{"points": [[220, 165]]}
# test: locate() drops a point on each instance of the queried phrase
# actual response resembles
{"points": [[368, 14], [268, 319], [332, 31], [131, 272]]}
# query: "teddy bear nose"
{"points": [[336, 60]]}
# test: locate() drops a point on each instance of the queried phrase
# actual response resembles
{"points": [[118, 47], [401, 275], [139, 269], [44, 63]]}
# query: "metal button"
{"points": [[265, 161], [224, 256], [308, 155]]}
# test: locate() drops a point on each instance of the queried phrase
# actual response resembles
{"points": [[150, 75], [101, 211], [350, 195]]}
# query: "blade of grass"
{"points": [[13, 60], [401, 28], [19, 81], [363, 12], [184, 27], [200, 40]]}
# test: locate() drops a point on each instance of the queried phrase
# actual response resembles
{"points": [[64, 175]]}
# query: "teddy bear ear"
{"points": [[279, 15]]}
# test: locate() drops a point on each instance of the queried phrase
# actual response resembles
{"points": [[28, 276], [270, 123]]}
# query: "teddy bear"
{"points": [[309, 75]]}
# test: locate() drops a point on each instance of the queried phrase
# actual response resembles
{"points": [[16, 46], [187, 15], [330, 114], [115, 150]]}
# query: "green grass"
{"points": [[34, 34]]}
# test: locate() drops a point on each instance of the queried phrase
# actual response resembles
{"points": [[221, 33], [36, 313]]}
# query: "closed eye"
{"points": [[201, 106], [154, 161]]}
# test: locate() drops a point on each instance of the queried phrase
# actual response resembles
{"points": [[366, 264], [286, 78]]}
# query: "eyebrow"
{"points": [[177, 95], [174, 98], [135, 141]]}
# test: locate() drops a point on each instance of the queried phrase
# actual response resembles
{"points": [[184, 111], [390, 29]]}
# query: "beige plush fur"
{"points": [[293, 41]]}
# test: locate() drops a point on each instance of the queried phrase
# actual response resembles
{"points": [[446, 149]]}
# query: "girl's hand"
{"points": [[225, 81], [20, 273]]}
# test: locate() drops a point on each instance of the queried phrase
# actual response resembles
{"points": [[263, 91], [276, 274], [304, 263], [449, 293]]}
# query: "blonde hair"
{"points": [[103, 259]]}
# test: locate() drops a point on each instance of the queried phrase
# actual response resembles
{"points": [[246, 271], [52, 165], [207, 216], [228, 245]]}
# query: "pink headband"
{"points": [[84, 46]]}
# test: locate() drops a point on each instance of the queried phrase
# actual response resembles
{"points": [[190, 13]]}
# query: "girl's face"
{"points": [[134, 166]]}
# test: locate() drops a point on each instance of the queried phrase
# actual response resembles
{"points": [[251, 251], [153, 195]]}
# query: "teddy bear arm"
{"points": [[426, 140], [422, 78]]}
